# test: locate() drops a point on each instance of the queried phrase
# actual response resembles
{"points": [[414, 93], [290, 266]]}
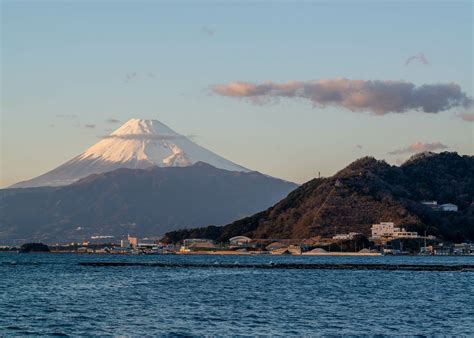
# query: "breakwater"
{"points": [[293, 266]]}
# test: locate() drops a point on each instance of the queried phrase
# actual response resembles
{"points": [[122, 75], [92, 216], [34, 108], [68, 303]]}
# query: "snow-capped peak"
{"points": [[136, 144], [145, 127]]}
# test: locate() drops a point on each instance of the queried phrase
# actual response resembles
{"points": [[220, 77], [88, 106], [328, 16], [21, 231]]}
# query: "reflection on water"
{"points": [[50, 294]]}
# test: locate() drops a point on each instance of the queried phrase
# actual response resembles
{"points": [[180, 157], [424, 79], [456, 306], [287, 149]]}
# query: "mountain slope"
{"points": [[367, 192], [144, 202], [138, 144]]}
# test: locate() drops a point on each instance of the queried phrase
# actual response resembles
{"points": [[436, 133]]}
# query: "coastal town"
{"points": [[386, 239]]}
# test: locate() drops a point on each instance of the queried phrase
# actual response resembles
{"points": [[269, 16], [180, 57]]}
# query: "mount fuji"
{"points": [[144, 179], [138, 144]]}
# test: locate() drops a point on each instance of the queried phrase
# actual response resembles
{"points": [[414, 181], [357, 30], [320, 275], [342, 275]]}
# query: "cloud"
{"points": [[419, 147], [420, 57], [90, 126], [130, 76], [469, 117], [208, 31], [112, 120], [358, 146], [144, 137], [70, 116], [379, 97]]}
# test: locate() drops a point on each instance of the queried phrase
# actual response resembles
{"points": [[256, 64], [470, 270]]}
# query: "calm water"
{"points": [[50, 294]]}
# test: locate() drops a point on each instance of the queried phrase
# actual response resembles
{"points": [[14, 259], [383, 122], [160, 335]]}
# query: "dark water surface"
{"points": [[51, 294]]}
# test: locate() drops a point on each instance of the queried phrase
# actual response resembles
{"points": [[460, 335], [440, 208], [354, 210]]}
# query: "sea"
{"points": [[53, 294]]}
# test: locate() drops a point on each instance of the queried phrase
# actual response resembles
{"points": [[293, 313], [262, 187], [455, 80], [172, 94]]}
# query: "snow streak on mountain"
{"points": [[138, 144]]}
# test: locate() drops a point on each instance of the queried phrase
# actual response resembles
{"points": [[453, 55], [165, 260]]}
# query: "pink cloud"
{"points": [[469, 117], [379, 97], [419, 147]]}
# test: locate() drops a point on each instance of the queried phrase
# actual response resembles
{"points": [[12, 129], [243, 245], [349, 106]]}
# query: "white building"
{"points": [[239, 241], [430, 203], [124, 243], [440, 207], [348, 236], [448, 207], [388, 230]]}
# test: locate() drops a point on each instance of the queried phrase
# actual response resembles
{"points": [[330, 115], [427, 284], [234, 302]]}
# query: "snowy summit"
{"points": [[137, 144]]}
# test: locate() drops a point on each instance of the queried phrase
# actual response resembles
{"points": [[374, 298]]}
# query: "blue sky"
{"points": [[69, 64]]}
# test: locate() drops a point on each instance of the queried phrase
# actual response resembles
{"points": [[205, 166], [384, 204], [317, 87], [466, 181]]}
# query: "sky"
{"points": [[290, 89]]}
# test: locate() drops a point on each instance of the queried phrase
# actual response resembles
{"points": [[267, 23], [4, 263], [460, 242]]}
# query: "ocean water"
{"points": [[51, 294]]}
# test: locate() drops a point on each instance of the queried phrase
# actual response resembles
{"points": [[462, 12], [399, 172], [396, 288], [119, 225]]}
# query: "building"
{"points": [[124, 243], [239, 241], [275, 246], [133, 241], [386, 230], [448, 207], [440, 207], [197, 244], [431, 204], [348, 236], [197, 241]]}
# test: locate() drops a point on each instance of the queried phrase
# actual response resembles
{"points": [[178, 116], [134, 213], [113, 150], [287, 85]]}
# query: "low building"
{"points": [[197, 244], [430, 204], [275, 246], [348, 236], [447, 207], [239, 241], [388, 230]]}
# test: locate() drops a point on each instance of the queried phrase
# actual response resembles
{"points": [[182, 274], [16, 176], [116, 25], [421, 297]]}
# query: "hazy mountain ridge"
{"points": [[366, 192], [144, 202]]}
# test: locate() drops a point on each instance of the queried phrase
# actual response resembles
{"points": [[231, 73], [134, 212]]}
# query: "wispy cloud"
{"points": [[134, 76], [419, 147], [420, 57], [208, 31], [90, 126], [377, 96], [130, 76], [358, 146], [469, 117], [112, 120], [144, 137], [69, 116]]}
